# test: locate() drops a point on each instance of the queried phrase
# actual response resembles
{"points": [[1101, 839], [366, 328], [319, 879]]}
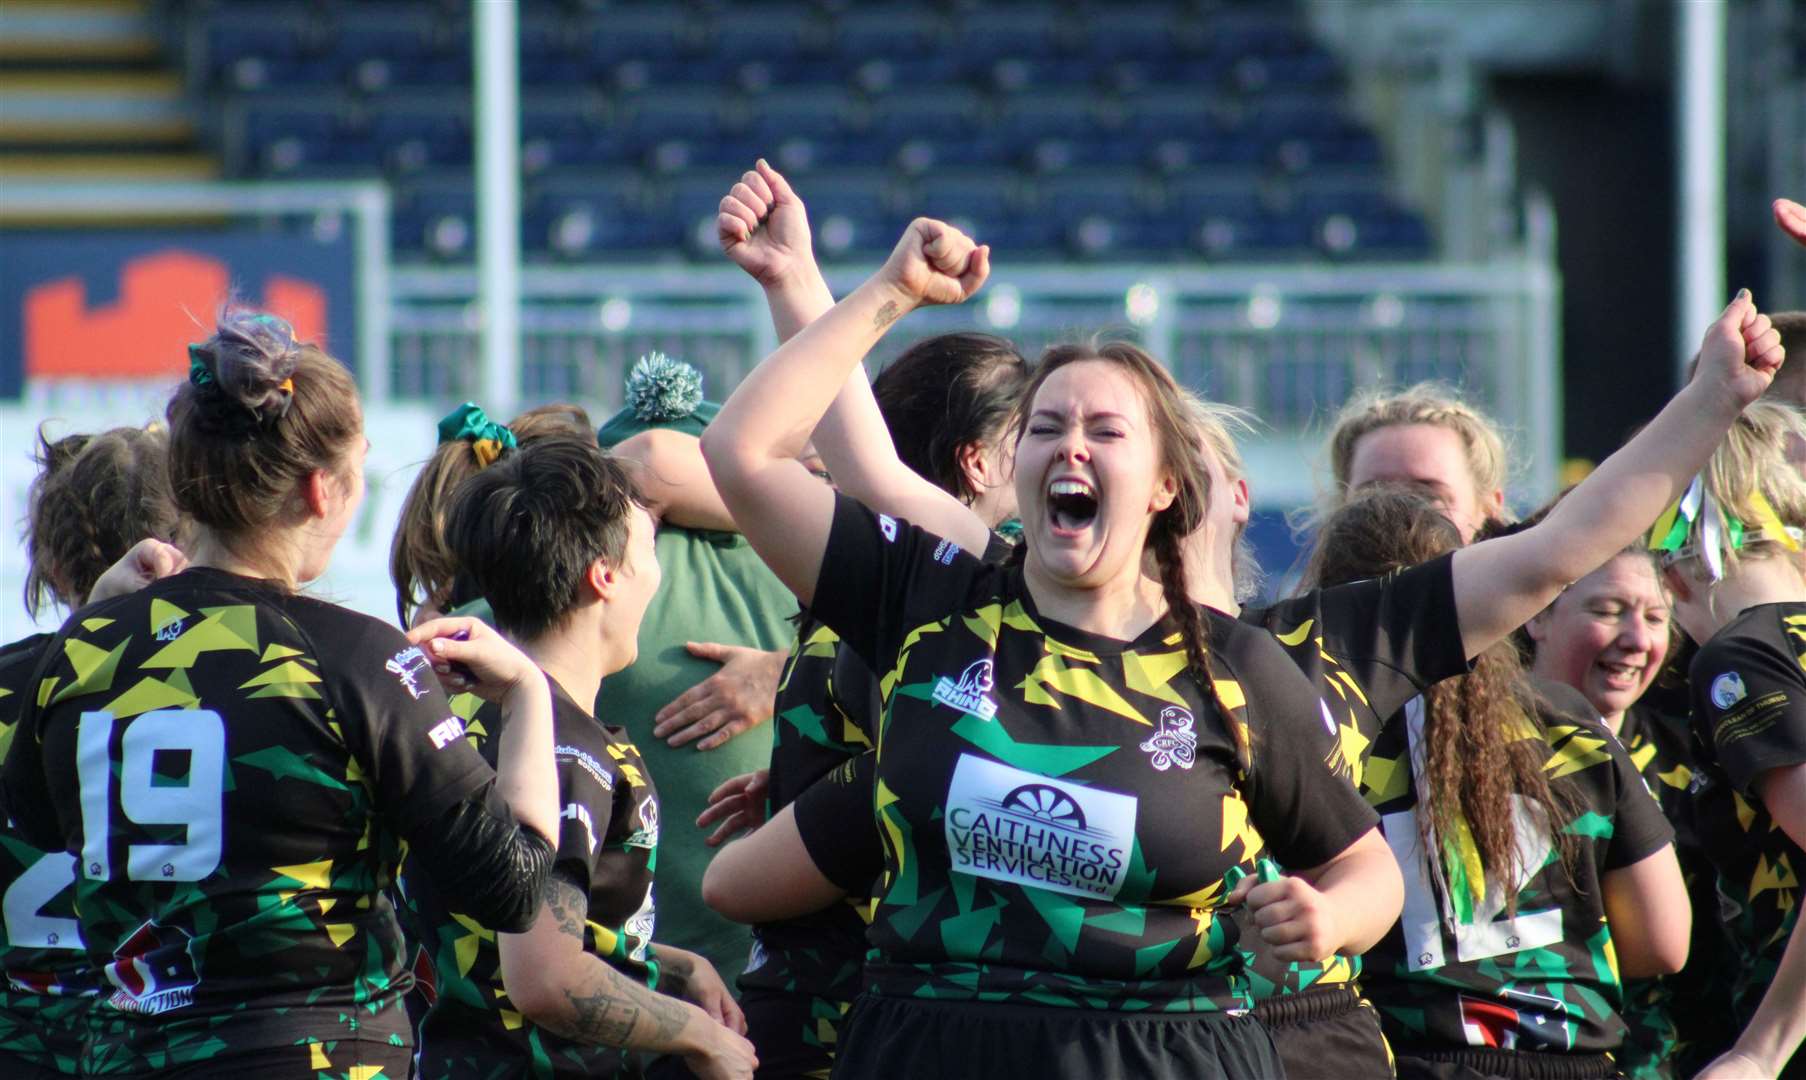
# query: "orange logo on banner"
{"points": [[146, 333]]}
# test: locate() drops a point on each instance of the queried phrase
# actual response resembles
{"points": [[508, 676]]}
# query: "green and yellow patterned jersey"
{"points": [[1062, 813], [1456, 971], [826, 704], [1677, 1022], [1368, 647], [607, 843], [1749, 716], [49, 983], [234, 768]]}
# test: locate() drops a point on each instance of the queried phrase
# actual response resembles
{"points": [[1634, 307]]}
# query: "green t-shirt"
{"points": [[715, 589]]}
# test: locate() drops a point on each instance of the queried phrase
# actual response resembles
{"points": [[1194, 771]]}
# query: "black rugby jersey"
{"points": [[607, 842], [1749, 716], [1368, 647], [825, 715], [1061, 812], [235, 767], [1687, 1013], [48, 980], [1454, 971]]}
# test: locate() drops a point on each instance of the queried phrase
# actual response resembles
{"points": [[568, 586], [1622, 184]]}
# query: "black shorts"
{"points": [[1327, 1032], [1481, 1063], [794, 1033], [300, 1063], [912, 1039]]}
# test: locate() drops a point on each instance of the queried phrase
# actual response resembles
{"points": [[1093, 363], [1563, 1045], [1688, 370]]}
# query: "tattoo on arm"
{"points": [[886, 315], [568, 905], [603, 1006]]}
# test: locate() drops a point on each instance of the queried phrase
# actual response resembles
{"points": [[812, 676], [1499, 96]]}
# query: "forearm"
{"points": [[1364, 886], [855, 443], [773, 411], [598, 1005], [799, 300], [526, 776], [675, 967], [1501, 583]]}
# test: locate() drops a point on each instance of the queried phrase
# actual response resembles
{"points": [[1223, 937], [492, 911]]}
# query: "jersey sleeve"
{"points": [[586, 787], [1305, 813], [834, 817], [881, 577], [1396, 634], [1749, 702], [1639, 828], [398, 722]]}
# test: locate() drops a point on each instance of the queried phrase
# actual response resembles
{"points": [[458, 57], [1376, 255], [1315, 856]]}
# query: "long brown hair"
{"points": [[1171, 423], [421, 564], [1476, 751]]}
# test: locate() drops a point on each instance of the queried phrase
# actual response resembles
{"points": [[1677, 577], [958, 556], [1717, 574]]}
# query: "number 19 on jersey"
{"points": [[155, 792]]}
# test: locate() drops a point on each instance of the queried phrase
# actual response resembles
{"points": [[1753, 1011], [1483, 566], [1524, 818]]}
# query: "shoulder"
{"points": [[1250, 650], [19, 657], [1560, 702]]}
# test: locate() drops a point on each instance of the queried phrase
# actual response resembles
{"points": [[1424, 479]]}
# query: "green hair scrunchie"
{"points": [[471, 424]]}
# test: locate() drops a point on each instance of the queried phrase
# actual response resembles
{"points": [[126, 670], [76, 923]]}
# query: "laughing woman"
{"points": [[1070, 778]]}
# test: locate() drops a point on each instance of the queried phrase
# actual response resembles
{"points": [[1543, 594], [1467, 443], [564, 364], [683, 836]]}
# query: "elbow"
{"points": [[721, 892], [1668, 953]]}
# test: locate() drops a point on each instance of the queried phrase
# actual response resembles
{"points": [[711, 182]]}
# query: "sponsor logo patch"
{"points": [[1006, 824], [153, 971], [445, 731], [1728, 690], [646, 836], [406, 666], [888, 526], [170, 630], [969, 693], [945, 551], [1175, 743], [581, 758]]}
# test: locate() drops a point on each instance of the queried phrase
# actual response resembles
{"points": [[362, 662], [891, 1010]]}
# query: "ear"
{"points": [[1538, 626], [316, 493], [1164, 493], [975, 465], [1494, 503], [1243, 510], [599, 582]]}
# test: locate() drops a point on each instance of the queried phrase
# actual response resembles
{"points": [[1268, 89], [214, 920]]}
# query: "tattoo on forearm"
{"points": [[607, 1008], [886, 315]]}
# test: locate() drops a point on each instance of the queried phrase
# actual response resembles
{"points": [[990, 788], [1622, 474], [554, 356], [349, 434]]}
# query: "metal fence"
{"points": [[1290, 344]]}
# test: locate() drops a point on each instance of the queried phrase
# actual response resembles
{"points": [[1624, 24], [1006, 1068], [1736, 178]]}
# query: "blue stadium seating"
{"points": [[1154, 129]]}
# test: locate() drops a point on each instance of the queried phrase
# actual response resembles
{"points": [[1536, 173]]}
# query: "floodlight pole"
{"points": [[496, 41], [1699, 100]]}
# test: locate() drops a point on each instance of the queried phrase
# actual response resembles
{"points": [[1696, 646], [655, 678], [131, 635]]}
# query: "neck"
{"points": [[276, 562], [1614, 722], [1771, 580], [572, 661], [1120, 610]]}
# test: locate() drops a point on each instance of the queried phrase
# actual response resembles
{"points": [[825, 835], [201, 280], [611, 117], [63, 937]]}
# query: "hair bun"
{"points": [[248, 366], [660, 388]]}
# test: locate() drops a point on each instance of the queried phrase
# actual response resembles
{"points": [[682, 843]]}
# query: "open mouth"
{"points": [[1621, 676], [1071, 505]]}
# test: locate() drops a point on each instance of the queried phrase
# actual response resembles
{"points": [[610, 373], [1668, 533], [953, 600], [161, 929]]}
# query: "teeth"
{"points": [[1069, 487]]}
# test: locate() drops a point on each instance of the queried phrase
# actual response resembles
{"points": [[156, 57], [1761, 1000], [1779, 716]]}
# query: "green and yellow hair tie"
{"points": [[470, 423]]}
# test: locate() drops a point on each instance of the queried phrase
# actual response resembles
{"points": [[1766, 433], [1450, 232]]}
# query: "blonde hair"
{"points": [[1429, 403], [1215, 426], [1752, 459]]}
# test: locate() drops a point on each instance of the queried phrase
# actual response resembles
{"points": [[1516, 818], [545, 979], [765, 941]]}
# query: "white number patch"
{"points": [[196, 802]]}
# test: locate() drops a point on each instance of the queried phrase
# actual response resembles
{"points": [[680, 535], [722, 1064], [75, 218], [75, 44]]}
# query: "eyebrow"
{"points": [[1050, 414]]}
